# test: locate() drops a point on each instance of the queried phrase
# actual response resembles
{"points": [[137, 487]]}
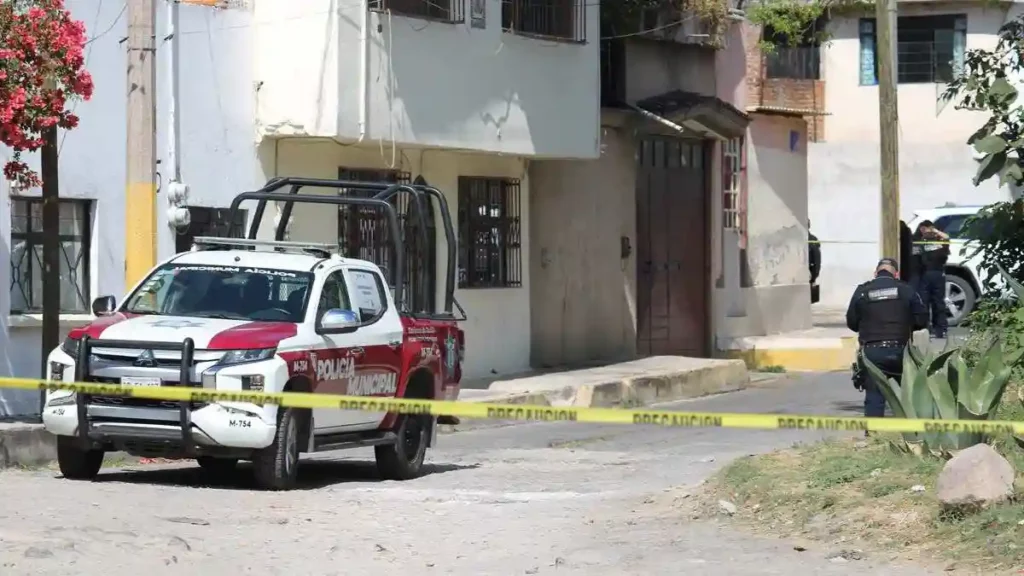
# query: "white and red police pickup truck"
{"points": [[247, 315]]}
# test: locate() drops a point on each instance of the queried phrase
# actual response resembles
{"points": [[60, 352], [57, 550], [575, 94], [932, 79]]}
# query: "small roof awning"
{"points": [[706, 115]]}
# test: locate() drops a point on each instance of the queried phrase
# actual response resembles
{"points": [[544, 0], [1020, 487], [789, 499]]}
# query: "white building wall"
{"points": [[430, 83], [936, 164]]}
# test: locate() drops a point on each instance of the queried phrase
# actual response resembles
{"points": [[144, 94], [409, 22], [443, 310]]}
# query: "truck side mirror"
{"points": [[104, 306], [338, 320]]}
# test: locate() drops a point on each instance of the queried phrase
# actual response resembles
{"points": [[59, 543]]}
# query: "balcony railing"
{"points": [[797, 62], [563, 20], [451, 11]]}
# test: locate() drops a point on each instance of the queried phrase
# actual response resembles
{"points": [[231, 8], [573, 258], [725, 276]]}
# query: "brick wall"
{"points": [[782, 92]]}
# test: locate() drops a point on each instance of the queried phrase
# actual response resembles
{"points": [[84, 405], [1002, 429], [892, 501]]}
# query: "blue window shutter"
{"points": [[867, 53], [959, 44]]}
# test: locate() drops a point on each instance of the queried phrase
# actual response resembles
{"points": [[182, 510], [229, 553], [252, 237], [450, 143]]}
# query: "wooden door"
{"points": [[672, 248]]}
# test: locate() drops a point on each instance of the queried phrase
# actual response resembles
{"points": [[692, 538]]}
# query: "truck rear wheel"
{"points": [[77, 462], [403, 460], [276, 467]]}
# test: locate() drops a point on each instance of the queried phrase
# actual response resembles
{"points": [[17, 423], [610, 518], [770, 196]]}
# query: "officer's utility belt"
{"points": [[883, 344]]}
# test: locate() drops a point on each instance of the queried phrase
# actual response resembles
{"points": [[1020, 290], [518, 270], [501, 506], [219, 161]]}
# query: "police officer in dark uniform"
{"points": [[884, 312], [933, 251]]}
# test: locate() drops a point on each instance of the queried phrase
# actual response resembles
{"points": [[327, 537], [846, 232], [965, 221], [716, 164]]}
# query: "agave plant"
{"points": [[943, 387]]}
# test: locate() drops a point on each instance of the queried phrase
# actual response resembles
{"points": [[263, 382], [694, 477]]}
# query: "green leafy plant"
{"points": [[943, 387], [984, 84], [627, 18]]}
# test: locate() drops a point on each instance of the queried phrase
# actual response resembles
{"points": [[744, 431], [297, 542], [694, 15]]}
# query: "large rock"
{"points": [[975, 478]]}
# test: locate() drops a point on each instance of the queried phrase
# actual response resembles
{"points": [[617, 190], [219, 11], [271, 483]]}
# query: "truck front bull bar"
{"points": [[83, 373]]}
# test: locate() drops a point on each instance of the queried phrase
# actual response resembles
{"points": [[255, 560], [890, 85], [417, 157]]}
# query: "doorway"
{"points": [[673, 291]]}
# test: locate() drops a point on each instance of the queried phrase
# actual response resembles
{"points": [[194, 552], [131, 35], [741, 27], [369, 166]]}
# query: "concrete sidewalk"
{"points": [[828, 346], [629, 384]]}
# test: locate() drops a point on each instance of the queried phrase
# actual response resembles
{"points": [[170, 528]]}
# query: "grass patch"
{"points": [[849, 491], [774, 369]]}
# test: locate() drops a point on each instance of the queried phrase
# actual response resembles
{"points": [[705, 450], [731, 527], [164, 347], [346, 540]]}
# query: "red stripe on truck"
{"points": [[253, 335]]}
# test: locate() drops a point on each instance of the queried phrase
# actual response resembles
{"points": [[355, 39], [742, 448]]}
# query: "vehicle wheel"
{"points": [[276, 466], [960, 299], [217, 468], [403, 460], [76, 462]]}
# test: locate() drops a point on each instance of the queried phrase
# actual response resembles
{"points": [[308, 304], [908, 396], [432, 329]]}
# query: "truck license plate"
{"points": [[138, 381]]}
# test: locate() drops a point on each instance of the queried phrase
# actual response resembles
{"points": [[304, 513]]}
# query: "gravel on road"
{"points": [[532, 498]]}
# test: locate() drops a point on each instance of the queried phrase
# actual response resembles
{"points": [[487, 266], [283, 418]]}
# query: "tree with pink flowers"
{"points": [[41, 72]]}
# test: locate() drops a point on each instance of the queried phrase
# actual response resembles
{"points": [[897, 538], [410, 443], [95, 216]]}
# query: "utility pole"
{"points": [[140, 195], [51, 249], [885, 16]]}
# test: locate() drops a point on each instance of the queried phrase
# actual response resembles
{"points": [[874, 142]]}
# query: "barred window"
{"points": [[442, 10], [363, 233], [27, 255], [490, 254], [929, 49], [204, 221], [732, 171], [554, 19]]}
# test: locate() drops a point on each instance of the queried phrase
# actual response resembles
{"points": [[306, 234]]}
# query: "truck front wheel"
{"points": [[276, 467], [403, 460], [77, 462]]}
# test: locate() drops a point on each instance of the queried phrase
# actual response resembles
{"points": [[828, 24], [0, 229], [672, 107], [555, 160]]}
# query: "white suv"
{"points": [[963, 278]]}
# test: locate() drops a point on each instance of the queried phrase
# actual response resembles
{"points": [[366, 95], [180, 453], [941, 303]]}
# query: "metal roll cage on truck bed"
{"points": [[421, 196]]}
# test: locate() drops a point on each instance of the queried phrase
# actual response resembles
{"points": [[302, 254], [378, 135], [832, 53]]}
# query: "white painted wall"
{"points": [[431, 83], [936, 165]]}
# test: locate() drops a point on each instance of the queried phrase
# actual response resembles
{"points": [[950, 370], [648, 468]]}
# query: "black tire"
{"points": [[276, 467], [75, 461], [956, 286], [217, 468], [403, 460]]}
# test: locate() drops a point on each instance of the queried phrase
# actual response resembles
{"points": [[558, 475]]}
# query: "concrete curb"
{"points": [[26, 445], [691, 382], [833, 354]]}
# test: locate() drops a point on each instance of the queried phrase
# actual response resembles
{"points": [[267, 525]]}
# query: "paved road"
{"points": [[519, 499]]}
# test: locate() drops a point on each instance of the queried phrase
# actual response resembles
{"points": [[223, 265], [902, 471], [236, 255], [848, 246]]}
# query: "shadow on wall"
{"points": [[777, 206], [582, 290], [507, 100]]}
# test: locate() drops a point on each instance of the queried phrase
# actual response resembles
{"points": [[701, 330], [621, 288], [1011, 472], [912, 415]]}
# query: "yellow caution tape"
{"points": [[490, 411], [915, 242]]}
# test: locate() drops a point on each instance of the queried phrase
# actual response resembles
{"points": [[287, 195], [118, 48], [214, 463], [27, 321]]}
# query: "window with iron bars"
{"points": [[552, 19], [732, 175], [75, 236], [363, 233], [204, 221], [929, 49], [798, 59], [490, 243], [451, 11]]}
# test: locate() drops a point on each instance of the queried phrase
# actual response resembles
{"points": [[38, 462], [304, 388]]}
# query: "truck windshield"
{"points": [[229, 292]]}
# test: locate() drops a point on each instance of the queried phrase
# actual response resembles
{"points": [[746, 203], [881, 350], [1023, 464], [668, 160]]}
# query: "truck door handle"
{"points": [[395, 343], [356, 351]]}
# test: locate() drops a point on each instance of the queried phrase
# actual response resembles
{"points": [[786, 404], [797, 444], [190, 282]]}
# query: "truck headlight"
{"points": [[70, 347], [232, 357]]}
